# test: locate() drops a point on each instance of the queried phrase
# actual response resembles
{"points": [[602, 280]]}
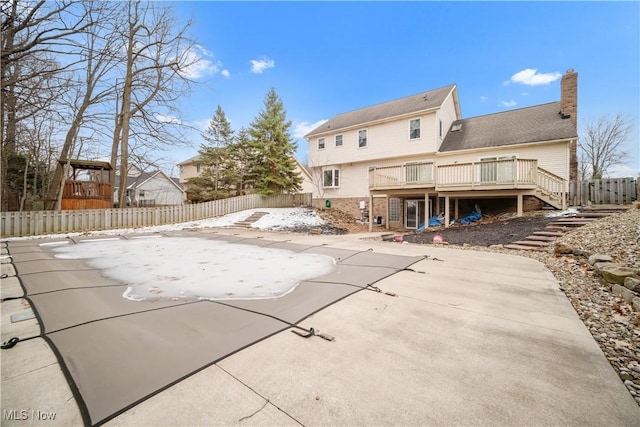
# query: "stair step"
{"points": [[576, 219], [595, 215], [531, 243], [570, 224], [527, 248], [548, 233], [541, 238], [557, 227]]}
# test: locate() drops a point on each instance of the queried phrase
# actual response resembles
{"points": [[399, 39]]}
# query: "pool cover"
{"points": [[116, 353]]}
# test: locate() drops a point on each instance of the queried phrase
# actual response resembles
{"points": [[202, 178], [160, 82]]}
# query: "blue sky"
{"points": [[325, 58]]}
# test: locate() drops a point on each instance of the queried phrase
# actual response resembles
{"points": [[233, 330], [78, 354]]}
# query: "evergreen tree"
{"points": [[273, 168], [214, 158], [238, 164]]}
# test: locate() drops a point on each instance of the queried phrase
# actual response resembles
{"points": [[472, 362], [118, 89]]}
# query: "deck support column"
{"points": [[370, 212], [456, 204], [446, 211], [426, 210], [386, 222], [519, 204], [437, 205]]}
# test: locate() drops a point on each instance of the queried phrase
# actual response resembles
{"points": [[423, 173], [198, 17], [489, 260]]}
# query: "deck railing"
{"points": [[86, 190], [507, 173], [407, 175]]}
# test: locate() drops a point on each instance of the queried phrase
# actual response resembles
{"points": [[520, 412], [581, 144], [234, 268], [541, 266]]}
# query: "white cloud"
{"points": [[263, 63], [199, 62], [622, 171], [303, 128], [507, 104], [483, 98], [524, 93], [225, 73], [531, 77], [165, 118]]}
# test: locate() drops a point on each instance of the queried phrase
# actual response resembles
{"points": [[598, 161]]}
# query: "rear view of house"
{"points": [[403, 161]]}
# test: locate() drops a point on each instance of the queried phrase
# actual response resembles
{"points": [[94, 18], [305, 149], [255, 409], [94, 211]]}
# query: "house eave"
{"points": [[373, 122]]}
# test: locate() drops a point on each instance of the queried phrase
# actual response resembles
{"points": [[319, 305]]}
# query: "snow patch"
{"points": [[189, 268]]}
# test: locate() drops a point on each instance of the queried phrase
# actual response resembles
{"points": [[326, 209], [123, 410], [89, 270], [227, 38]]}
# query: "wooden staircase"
{"points": [[246, 223], [540, 240]]}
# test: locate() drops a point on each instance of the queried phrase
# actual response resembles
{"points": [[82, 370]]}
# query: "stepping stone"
{"points": [[541, 238], [522, 247], [548, 233], [569, 223], [531, 243], [574, 219]]}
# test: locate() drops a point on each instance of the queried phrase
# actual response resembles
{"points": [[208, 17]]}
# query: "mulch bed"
{"points": [[483, 233]]}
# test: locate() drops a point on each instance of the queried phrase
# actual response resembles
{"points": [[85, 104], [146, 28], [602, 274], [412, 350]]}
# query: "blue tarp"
{"points": [[468, 219], [434, 222]]}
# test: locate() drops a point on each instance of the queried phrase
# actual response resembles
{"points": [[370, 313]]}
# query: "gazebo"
{"points": [[88, 187]]}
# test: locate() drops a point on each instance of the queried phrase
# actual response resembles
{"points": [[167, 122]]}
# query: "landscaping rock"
{"points": [[562, 248], [623, 292], [632, 283], [617, 273], [599, 258], [636, 304]]}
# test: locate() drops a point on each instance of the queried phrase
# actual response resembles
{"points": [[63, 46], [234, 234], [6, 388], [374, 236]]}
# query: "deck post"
{"points": [[456, 204], [386, 223], [446, 211], [370, 212], [426, 210], [519, 204]]}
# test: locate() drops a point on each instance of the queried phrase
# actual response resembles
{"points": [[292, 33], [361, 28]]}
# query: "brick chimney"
{"points": [[569, 110]]}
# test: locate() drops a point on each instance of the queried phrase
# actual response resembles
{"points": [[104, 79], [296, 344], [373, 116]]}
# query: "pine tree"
{"points": [[273, 168], [238, 164], [214, 158]]}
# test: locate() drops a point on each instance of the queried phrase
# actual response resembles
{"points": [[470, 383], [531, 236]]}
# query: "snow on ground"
{"points": [[277, 219], [568, 212], [190, 267]]}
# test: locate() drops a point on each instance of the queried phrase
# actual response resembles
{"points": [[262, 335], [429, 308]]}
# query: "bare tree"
{"points": [[31, 81], [602, 144], [155, 74]]}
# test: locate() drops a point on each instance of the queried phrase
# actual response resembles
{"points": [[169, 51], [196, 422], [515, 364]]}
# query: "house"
{"points": [[403, 161], [153, 188], [190, 169]]}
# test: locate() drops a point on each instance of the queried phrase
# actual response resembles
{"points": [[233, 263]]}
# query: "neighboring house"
{"points": [[190, 169], [150, 189], [404, 161]]}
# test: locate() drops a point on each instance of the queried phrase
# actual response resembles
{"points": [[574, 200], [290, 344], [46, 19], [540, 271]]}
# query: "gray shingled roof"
{"points": [[539, 123], [410, 104]]}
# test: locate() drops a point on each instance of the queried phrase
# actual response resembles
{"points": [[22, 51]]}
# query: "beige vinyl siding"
{"points": [[447, 115], [389, 139], [188, 171], [553, 157], [161, 190]]}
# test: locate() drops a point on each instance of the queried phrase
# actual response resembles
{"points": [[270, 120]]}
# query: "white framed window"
{"points": [[331, 178], [321, 144], [338, 140], [362, 138], [414, 128], [440, 128]]}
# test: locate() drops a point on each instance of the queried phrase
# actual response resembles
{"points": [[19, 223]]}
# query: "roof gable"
{"points": [[411, 104], [525, 125]]}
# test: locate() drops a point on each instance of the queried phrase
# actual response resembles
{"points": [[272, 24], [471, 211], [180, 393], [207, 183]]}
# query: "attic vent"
{"points": [[456, 128]]}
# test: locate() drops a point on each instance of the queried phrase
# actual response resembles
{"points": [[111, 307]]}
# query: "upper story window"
{"points": [[331, 178], [321, 144], [414, 128], [440, 128], [338, 140], [362, 138]]}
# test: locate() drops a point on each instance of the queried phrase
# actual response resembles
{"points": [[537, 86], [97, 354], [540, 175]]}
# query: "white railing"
{"points": [[508, 173], [409, 174], [30, 223], [551, 185]]}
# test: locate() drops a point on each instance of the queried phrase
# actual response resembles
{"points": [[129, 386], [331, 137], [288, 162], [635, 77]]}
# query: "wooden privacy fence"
{"points": [[604, 191], [31, 223]]}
